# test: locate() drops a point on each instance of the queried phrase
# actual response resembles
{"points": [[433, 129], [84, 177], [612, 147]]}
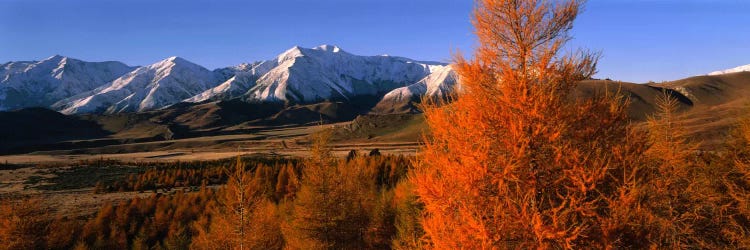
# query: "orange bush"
{"points": [[22, 224], [242, 218], [332, 208], [518, 160], [736, 186]]}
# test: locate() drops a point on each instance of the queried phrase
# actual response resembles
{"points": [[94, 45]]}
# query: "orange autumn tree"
{"points": [[673, 190], [517, 160], [332, 208], [668, 135], [23, 224], [242, 218], [736, 185]]}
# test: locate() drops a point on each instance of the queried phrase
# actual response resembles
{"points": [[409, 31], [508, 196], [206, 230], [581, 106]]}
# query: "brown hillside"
{"points": [[709, 106]]}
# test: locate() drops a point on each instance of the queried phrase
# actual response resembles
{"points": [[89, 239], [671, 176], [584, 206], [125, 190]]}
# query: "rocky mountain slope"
{"points": [[42, 83], [296, 76], [146, 88], [326, 72], [438, 85], [708, 105]]}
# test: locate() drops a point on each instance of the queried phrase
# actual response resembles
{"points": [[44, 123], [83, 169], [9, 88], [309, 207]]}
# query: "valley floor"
{"points": [[64, 179], [273, 141]]}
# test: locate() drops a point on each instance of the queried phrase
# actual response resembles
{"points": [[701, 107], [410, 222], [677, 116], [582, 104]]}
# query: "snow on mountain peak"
{"points": [[176, 59], [41, 83], [298, 51], [298, 75], [743, 68], [328, 72], [172, 61], [437, 85], [313, 74], [289, 54], [147, 88], [54, 58], [328, 48]]}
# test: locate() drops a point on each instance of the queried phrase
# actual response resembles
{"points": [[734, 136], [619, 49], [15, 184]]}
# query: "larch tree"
{"points": [[287, 183], [332, 207], [670, 186], [408, 231], [240, 217], [518, 159], [668, 135], [736, 185], [23, 224]]}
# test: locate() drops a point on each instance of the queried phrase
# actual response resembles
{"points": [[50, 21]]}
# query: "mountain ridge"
{"points": [[743, 68], [42, 83], [297, 75], [146, 88], [708, 106]]}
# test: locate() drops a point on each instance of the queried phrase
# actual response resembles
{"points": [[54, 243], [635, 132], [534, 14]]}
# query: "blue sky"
{"points": [[640, 40]]}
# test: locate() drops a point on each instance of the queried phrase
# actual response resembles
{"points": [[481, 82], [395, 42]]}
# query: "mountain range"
{"points": [[299, 75], [61, 103], [43, 83], [296, 76], [743, 68]]}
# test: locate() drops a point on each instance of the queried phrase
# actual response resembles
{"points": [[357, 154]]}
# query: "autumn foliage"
{"points": [[22, 225], [242, 218], [516, 160], [344, 204]]}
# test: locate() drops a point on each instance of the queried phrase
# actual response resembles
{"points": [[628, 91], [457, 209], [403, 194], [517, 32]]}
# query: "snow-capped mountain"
{"points": [[42, 83], [303, 75], [732, 70], [327, 72], [234, 87], [147, 88], [298, 75], [239, 80], [435, 86]]}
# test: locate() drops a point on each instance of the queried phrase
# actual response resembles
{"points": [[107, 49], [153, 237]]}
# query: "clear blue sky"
{"points": [[640, 40]]}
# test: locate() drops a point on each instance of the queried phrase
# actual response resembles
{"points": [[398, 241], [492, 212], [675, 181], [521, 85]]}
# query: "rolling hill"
{"points": [[709, 106]]}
